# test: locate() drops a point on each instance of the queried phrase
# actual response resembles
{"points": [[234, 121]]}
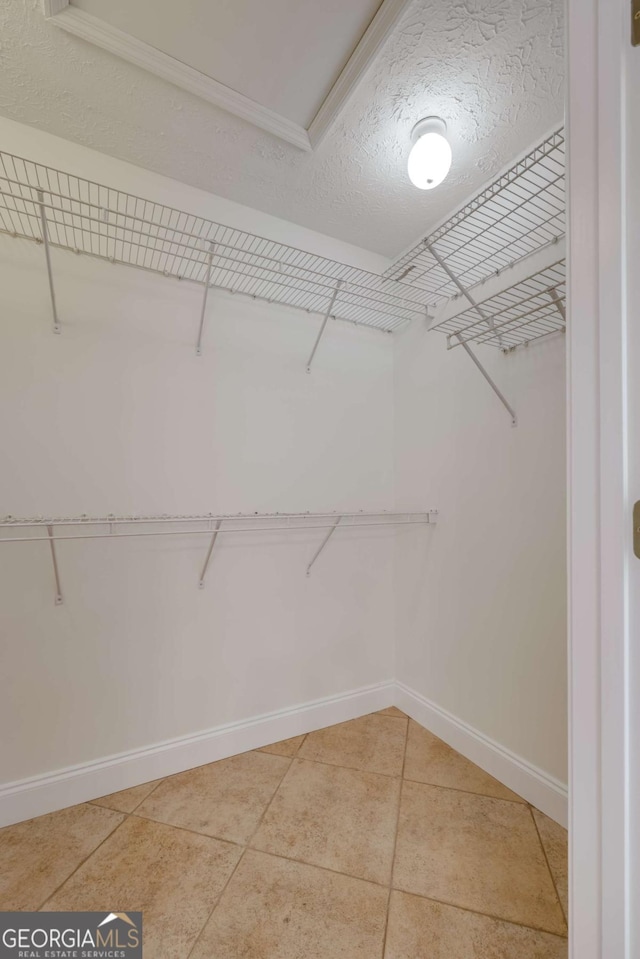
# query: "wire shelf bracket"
{"points": [[559, 302], [325, 320], [54, 560], [54, 530], [485, 319], [209, 552], [207, 284], [323, 544], [47, 253], [496, 389]]}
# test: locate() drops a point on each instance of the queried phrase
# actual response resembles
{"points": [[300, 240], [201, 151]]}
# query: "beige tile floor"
{"points": [[371, 839]]}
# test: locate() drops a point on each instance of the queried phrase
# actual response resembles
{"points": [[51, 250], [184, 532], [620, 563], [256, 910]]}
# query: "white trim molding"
{"points": [[76, 784], [141, 54], [602, 888], [538, 787], [374, 38]]}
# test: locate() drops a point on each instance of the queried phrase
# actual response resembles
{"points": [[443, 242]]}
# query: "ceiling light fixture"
{"points": [[430, 156]]}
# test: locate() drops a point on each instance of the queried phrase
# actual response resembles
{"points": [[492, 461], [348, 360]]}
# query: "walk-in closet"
{"points": [[284, 319]]}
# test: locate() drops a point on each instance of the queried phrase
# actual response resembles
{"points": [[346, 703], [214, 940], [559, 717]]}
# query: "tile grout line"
{"points": [[313, 865], [467, 792], [192, 832], [546, 859], [237, 865], [485, 915], [86, 859], [157, 785], [322, 762], [395, 842], [356, 769], [130, 812], [215, 905]]}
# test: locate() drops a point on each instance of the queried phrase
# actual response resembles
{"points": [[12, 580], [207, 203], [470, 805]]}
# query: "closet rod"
{"points": [[274, 522], [429, 521], [11, 522]]}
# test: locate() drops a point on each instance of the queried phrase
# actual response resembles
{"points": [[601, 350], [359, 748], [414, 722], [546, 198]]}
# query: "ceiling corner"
{"points": [[52, 8], [362, 58]]}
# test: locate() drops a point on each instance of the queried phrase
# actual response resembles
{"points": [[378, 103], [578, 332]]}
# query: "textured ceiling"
{"points": [[492, 68]]}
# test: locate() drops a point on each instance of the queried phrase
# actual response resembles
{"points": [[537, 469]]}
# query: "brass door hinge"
{"points": [[635, 22]]}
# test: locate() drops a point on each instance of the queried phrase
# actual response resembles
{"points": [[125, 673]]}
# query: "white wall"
{"points": [[481, 608], [117, 414]]}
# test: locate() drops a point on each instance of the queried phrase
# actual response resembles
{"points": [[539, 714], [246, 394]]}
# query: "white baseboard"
{"points": [[76, 784], [533, 784]]}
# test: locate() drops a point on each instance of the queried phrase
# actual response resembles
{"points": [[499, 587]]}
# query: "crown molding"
{"points": [[135, 51], [360, 61], [129, 48]]}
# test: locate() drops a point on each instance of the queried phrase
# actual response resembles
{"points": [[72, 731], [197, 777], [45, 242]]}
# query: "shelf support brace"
{"points": [[54, 560], [204, 298], [494, 387], [559, 305], [454, 279], [47, 253], [324, 323], [209, 552], [323, 544]]}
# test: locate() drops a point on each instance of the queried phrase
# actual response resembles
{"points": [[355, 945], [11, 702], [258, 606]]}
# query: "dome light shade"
{"points": [[430, 156]]}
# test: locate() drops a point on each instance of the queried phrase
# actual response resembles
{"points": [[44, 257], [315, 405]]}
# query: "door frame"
{"points": [[598, 32]]}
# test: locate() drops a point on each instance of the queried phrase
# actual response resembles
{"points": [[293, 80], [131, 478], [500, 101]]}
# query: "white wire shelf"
{"points": [[520, 212], [494, 272], [526, 311], [60, 528], [87, 217]]}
